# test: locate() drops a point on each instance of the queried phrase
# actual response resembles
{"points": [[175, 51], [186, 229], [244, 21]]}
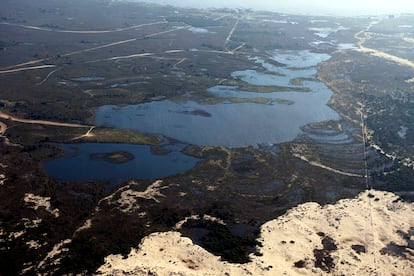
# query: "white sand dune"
{"points": [[362, 229]]}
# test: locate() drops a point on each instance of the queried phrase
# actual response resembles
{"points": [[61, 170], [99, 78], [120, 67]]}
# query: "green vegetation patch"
{"points": [[284, 101], [250, 100], [10, 104], [112, 135], [246, 87], [117, 157]]}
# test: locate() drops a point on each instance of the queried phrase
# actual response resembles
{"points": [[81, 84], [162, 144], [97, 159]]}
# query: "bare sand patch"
{"points": [[37, 202], [3, 128], [127, 200], [2, 179], [53, 257], [353, 237]]}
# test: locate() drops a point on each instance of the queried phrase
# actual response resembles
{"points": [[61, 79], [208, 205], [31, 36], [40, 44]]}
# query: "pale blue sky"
{"points": [[337, 7]]}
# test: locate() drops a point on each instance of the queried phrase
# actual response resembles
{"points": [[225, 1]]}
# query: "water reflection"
{"points": [[232, 123], [80, 163]]}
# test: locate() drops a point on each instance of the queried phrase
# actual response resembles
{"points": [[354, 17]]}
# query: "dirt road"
{"points": [[84, 32], [363, 36], [12, 68], [40, 122], [228, 39], [27, 68]]}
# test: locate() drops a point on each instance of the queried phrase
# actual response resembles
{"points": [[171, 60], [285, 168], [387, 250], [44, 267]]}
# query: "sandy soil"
{"points": [[38, 201], [3, 128], [364, 35], [353, 237], [87, 134], [27, 68], [39, 122], [2, 179], [228, 38], [398, 60], [127, 200], [53, 257]]}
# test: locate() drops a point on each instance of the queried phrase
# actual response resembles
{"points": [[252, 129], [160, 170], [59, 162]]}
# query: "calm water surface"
{"points": [[236, 124], [224, 124], [77, 163]]}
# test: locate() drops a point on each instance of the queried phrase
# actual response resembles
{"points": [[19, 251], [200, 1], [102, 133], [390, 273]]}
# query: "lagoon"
{"points": [[228, 124], [237, 123]]}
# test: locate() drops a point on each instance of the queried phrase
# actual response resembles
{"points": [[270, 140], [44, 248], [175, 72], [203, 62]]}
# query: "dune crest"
{"points": [[372, 234]]}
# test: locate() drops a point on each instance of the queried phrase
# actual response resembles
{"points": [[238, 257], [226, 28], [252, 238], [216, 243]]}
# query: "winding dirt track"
{"points": [[47, 77]]}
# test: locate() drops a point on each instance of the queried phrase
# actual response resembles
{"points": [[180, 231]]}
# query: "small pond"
{"points": [[88, 162]]}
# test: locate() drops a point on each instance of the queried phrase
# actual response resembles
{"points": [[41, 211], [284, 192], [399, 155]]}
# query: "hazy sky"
{"points": [[344, 7]]}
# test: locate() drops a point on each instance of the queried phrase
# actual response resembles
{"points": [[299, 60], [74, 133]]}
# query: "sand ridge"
{"points": [[369, 235]]}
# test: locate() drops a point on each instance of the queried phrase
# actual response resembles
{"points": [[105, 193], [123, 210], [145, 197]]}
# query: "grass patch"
{"points": [[112, 135], [250, 100]]}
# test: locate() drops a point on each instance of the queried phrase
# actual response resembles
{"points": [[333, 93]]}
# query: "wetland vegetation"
{"points": [[129, 118]]}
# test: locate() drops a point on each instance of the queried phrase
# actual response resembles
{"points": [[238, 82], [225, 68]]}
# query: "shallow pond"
{"points": [[80, 163]]}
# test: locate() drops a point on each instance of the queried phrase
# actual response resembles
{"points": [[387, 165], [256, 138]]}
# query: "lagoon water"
{"points": [[236, 124], [228, 124], [77, 164], [278, 118]]}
